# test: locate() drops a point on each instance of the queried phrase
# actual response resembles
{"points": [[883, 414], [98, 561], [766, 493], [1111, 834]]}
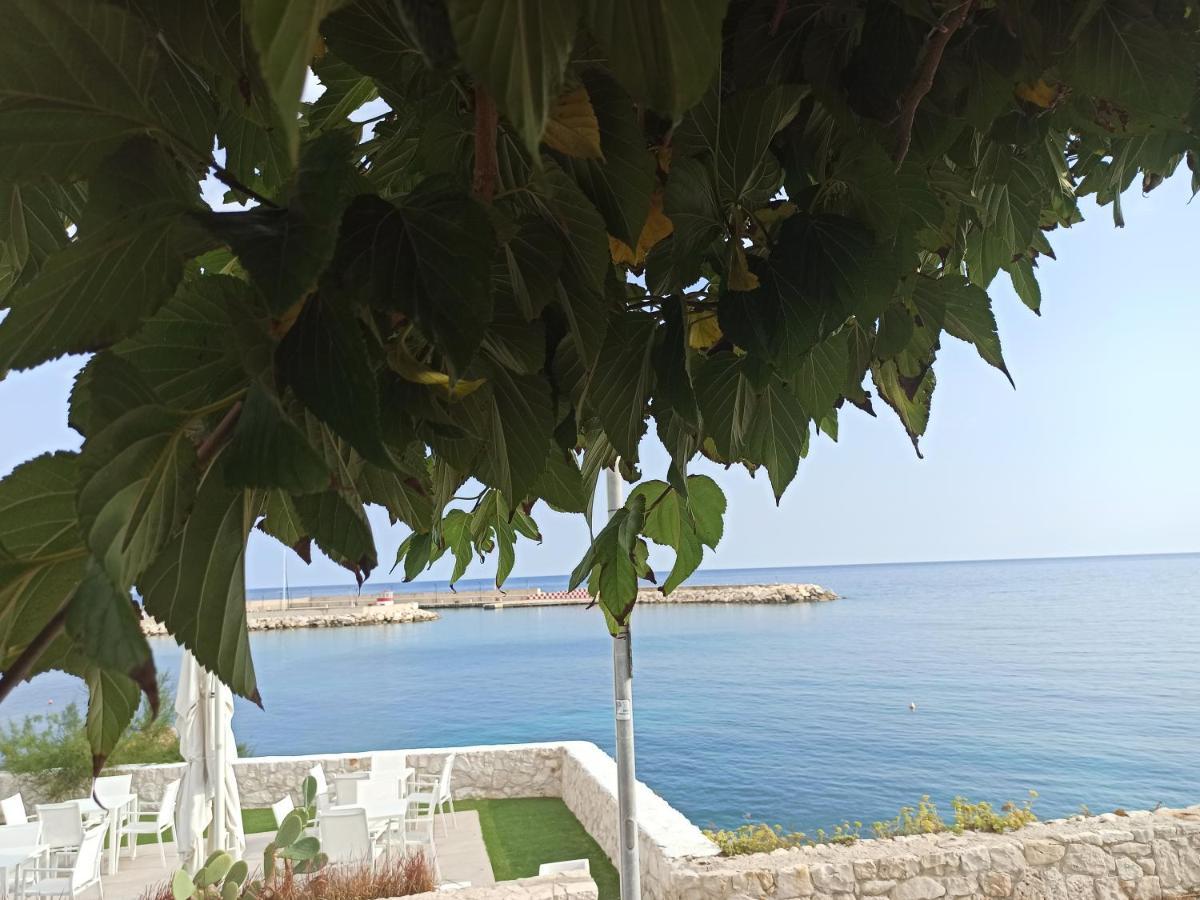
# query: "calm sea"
{"points": [[1079, 678]]}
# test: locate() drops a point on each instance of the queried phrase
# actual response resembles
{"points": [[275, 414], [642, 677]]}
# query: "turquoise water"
{"points": [[1079, 678]]}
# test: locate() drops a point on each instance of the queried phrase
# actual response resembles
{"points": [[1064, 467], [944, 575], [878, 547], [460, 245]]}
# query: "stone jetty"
{"points": [[381, 614], [741, 593]]}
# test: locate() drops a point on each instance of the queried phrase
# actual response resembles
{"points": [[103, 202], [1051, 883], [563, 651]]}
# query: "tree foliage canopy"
{"points": [[505, 238]]}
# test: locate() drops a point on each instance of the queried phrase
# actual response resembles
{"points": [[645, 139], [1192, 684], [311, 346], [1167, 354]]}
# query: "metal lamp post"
{"points": [[622, 650]]}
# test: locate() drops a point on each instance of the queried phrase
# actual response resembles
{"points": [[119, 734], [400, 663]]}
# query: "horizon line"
{"points": [[915, 562]]}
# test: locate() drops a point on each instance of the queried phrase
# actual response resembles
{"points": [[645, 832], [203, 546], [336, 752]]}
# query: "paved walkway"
{"points": [[462, 856]]}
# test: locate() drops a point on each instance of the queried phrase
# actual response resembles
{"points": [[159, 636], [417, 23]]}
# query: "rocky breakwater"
{"points": [[743, 593], [395, 614]]}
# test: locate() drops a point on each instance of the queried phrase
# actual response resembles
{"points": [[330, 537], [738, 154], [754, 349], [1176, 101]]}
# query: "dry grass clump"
{"points": [[398, 876]]}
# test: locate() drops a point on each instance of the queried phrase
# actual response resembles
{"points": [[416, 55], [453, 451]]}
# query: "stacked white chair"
{"points": [[435, 792], [13, 809], [62, 829]]}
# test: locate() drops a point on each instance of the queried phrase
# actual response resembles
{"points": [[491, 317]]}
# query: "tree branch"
{"points": [[23, 665], [226, 178], [217, 437], [935, 46], [487, 166]]}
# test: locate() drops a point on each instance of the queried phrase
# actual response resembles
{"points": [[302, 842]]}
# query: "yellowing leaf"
{"points": [[403, 364], [703, 329], [572, 127], [1039, 93], [657, 227], [740, 276]]}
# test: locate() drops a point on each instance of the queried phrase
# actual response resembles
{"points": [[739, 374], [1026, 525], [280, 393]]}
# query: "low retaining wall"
{"points": [[1136, 856], [550, 887]]}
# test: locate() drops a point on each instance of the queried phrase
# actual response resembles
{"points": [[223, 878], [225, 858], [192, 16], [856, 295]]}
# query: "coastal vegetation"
{"points": [[922, 818], [460, 282]]}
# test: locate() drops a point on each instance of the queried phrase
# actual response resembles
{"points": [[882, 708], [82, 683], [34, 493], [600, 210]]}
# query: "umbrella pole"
{"points": [[216, 734], [622, 647]]}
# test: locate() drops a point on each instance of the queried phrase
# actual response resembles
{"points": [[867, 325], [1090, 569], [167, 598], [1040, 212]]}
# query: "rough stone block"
{"points": [[1128, 869], [996, 884], [1080, 887], [794, 881], [1087, 859], [875, 888], [1041, 884], [1148, 888], [898, 867], [1131, 848], [941, 862], [1007, 857], [1115, 836], [961, 885], [1109, 888], [975, 859], [1044, 852], [833, 878], [864, 869], [920, 888]]}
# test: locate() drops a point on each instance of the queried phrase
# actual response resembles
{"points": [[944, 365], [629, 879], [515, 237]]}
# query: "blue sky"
{"points": [[1092, 454]]}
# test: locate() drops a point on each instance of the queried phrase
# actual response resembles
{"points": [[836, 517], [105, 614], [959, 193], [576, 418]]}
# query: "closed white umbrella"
{"points": [[208, 794]]}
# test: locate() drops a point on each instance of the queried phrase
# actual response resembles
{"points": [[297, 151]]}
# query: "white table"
{"points": [[382, 814], [15, 858], [115, 804]]}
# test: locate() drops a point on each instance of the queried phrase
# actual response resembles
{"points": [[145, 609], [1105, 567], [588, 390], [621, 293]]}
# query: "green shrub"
{"points": [[51, 749], [923, 818]]}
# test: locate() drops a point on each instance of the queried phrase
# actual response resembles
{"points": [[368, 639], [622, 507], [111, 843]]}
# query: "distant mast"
{"points": [[285, 579]]}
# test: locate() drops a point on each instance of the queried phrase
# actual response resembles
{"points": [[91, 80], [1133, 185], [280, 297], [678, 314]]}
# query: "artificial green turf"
{"points": [[522, 834]]}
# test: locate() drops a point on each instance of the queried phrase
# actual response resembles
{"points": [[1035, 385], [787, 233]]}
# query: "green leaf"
{"points": [[821, 376], [337, 522], [32, 223], [196, 586], [737, 133], [665, 54], [323, 358], [415, 551], [112, 703], [561, 483], [695, 212], [181, 885], [727, 403], [429, 257], [909, 396], [137, 483], [285, 35], [527, 266], [1025, 283], [404, 496], [965, 311], [493, 527], [282, 522], [517, 49], [620, 184], [620, 395], [41, 550], [346, 89], [518, 423], [456, 537], [125, 263], [81, 78], [614, 561], [686, 525], [269, 450], [815, 280], [777, 435], [106, 627], [197, 348], [285, 250]]}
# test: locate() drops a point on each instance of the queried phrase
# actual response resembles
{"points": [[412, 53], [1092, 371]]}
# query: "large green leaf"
{"points": [[517, 418], [126, 262], [137, 481], [405, 496], [695, 212], [105, 626], [665, 53], [42, 555], [614, 562], [619, 397], [81, 78], [727, 403], [197, 585], [286, 249], [686, 524], [197, 348], [112, 703], [429, 257], [965, 311], [323, 359], [268, 450], [777, 434], [620, 184], [285, 35], [909, 396], [337, 522], [820, 378], [561, 483], [346, 89], [517, 49]]}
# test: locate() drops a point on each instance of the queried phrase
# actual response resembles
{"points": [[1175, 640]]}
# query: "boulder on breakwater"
{"points": [[333, 618], [742, 593]]}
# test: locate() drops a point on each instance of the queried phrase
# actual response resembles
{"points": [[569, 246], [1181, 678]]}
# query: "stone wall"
{"points": [[392, 614], [1138, 856]]}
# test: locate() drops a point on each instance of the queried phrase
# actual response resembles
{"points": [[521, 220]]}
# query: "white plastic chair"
{"points": [[62, 827], [318, 775], [418, 833], [163, 821], [281, 808], [345, 836], [18, 837], [391, 765], [567, 865], [71, 881], [110, 790], [435, 791], [345, 788], [14, 810]]}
